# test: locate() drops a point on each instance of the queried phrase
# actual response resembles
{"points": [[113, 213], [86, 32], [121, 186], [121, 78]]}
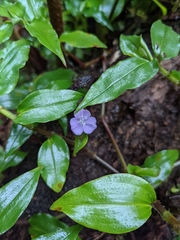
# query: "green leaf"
{"points": [[4, 9], [18, 136], [60, 84], [134, 46], [15, 196], [165, 42], [98, 16], [70, 233], [119, 6], [13, 160], [17, 11], [80, 142], [47, 78], [33, 8], [1, 156], [1, 153], [12, 99], [42, 223], [64, 124], [81, 39], [101, 11], [14, 58], [74, 7], [53, 157], [6, 30], [111, 8], [128, 74], [116, 204], [47, 105], [141, 172], [164, 160], [46, 35]]}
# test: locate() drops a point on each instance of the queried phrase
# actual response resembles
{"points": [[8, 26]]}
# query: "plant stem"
{"points": [[122, 161], [93, 155], [43, 131], [7, 113], [121, 158], [177, 164], [100, 236], [162, 7], [55, 12], [167, 216], [60, 216], [98, 159], [167, 74]]}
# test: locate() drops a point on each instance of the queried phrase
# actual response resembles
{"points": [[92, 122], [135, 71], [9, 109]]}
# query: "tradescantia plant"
{"points": [[116, 203]]}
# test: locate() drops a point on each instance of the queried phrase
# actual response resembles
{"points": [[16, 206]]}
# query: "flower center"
{"points": [[82, 120]]}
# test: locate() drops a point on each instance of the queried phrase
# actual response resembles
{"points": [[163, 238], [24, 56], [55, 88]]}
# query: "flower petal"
{"points": [[76, 127], [82, 113], [90, 125], [74, 122], [78, 130], [91, 120]]}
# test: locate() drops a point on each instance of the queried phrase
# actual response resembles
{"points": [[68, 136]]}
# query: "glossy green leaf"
{"points": [[1, 153], [116, 203], [81, 39], [5, 31], [134, 46], [141, 172], [60, 84], [53, 157], [70, 233], [74, 7], [1, 157], [165, 42], [13, 160], [111, 8], [14, 58], [117, 9], [46, 35], [18, 136], [43, 223], [47, 78], [94, 9], [47, 105], [80, 142], [4, 9], [16, 11], [128, 74], [33, 8], [64, 124], [15, 196], [12, 99], [98, 16], [164, 160]]}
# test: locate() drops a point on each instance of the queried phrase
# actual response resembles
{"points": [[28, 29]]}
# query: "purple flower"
{"points": [[83, 122]]}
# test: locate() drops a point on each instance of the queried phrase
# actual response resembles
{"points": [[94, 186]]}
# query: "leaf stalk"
{"points": [[167, 216]]}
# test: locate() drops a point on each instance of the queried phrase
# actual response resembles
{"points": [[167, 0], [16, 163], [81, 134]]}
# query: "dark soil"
{"points": [[143, 122]]}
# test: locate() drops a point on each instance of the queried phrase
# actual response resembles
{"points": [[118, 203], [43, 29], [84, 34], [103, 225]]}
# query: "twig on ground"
{"points": [[121, 158], [100, 236], [100, 160]]}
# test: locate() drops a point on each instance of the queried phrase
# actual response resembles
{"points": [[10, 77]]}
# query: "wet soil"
{"points": [[143, 122]]}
